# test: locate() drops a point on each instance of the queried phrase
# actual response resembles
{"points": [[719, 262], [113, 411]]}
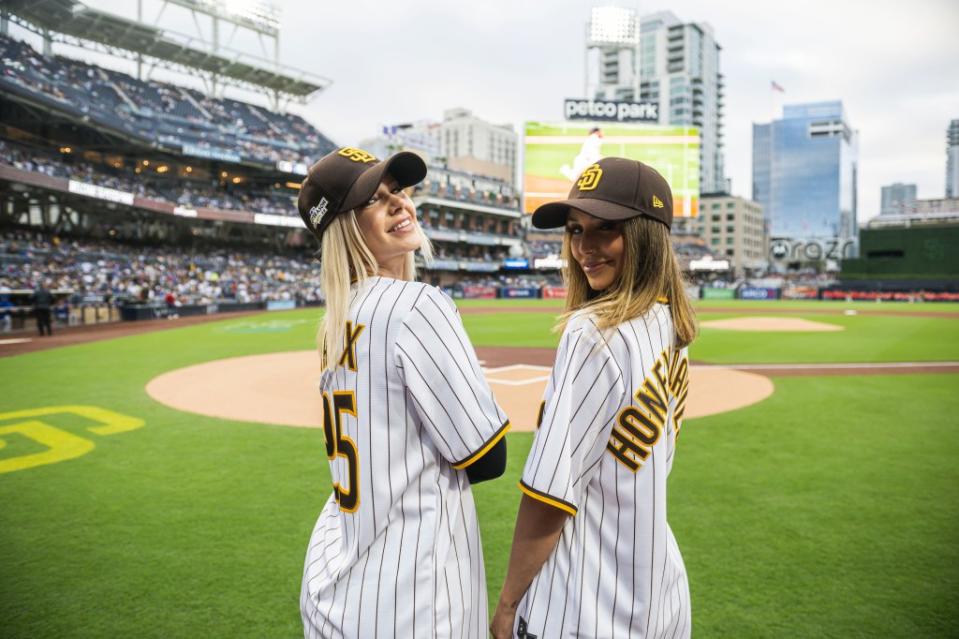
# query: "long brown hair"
{"points": [[650, 273]]}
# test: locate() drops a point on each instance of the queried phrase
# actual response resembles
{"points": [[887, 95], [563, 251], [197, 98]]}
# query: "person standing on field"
{"points": [[409, 420], [42, 305], [593, 555]]}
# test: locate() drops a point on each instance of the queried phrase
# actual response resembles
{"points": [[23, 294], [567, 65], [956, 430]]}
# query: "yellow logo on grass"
{"points": [[657, 203], [59, 444], [589, 180], [357, 155]]}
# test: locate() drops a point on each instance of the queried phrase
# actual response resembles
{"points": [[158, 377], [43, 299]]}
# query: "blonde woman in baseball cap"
{"points": [[408, 419], [592, 552]]}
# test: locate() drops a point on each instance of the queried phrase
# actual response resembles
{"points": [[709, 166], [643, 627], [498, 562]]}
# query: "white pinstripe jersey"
{"points": [[396, 550], [603, 451]]}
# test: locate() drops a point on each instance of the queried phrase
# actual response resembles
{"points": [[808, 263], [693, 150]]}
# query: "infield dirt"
{"points": [[281, 388]]}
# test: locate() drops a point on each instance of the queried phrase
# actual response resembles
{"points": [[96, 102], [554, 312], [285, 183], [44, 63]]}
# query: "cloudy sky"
{"points": [[894, 64]]}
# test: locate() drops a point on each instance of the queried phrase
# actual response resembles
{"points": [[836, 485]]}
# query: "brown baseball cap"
{"points": [[348, 177], [613, 189]]}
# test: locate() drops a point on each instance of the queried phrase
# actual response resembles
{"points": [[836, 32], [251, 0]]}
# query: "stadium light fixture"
{"points": [[263, 14], [163, 168], [189, 169], [224, 174], [65, 149], [237, 179]]}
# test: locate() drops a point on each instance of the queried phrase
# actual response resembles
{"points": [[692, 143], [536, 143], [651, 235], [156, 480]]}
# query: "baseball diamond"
{"points": [[754, 497]]}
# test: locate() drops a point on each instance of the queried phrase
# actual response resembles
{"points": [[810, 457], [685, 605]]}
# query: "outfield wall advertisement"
{"points": [[557, 152]]}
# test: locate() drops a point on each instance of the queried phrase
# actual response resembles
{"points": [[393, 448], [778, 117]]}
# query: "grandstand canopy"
{"points": [[75, 19]]}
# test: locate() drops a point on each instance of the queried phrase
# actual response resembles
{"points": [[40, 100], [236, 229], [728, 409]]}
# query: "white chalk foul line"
{"points": [[514, 367], [519, 382]]}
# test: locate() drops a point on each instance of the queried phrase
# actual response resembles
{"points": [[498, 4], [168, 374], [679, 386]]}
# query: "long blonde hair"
{"points": [[650, 272], [345, 259]]}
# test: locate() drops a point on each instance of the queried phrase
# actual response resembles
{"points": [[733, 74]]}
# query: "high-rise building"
{"points": [[662, 60], [476, 146], [679, 70], [895, 196], [952, 160], [733, 228], [805, 172], [612, 54]]}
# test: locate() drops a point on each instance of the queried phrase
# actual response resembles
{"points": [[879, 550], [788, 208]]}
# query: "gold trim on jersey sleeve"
{"points": [[547, 499], [498, 435]]}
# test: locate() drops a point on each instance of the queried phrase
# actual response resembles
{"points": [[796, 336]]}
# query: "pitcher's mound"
{"points": [[771, 324], [275, 388], [282, 389]]}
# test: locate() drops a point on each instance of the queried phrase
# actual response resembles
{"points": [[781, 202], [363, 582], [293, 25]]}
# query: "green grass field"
{"points": [[866, 338], [828, 510]]}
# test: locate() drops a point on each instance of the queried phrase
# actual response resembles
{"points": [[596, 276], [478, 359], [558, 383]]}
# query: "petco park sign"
{"points": [[610, 110]]}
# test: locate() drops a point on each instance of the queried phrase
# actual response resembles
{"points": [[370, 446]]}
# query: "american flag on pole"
{"points": [[775, 87]]}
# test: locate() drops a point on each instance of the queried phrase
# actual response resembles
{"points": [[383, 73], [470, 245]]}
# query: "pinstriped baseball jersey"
{"points": [[604, 448], [396, 550]]}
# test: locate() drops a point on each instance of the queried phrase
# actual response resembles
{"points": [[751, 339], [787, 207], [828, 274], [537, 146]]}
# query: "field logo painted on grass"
{"points": [[60, 445]]}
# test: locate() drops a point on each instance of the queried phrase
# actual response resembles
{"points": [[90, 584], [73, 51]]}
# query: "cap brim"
{"points": [[554, 214], [405, 167]]}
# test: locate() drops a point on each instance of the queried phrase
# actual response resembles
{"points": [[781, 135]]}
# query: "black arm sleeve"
{"points": [[489, 466]]}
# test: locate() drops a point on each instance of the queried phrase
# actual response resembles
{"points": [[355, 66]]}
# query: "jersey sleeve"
{"points": [[584, 392], [444, 380]]}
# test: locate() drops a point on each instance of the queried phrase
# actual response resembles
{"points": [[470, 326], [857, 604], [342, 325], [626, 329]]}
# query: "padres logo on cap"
{"points": [[589, 180], [357, 155]]}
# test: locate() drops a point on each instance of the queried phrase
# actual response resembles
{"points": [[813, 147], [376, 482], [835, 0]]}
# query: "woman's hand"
{"points": [[538, 528], [502, 625]]}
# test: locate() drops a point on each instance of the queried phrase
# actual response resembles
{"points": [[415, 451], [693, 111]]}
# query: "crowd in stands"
{"points": [[159, 112], [451, 191], [541, 248], [469, 252], [92, 271], [192, 193], [473, 223], [513, 281]]}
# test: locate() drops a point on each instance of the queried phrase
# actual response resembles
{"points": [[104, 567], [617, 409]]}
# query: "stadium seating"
{"points": [[156, 112], [192, 193], [91, 270]]}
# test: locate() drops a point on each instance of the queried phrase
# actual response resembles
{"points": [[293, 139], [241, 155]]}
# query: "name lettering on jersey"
{"points": [[639, 427], [678, 385], [349, 352]]}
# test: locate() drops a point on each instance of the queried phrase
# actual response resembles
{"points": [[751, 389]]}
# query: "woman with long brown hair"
{"points": [[592, 552]]}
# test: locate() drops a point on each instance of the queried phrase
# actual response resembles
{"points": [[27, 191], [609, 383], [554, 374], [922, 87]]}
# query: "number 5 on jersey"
{"points": [[339, 445]]}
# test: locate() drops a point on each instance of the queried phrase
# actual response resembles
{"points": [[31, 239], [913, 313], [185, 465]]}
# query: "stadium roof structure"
{"points": [[74, 19]]}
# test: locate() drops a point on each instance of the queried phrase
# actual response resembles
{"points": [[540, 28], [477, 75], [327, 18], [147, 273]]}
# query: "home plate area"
{"points": [[714, 389]]}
